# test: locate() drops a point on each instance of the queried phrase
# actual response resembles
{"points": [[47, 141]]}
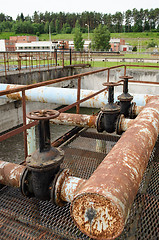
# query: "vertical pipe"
{"points": [[78, 95], [24, 123], [31, 138]]}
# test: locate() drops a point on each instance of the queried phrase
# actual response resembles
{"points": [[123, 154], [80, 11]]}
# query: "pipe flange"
{"points": [[25, 184], [132, 110], [99, 121], [118, 124], [55, 188]]}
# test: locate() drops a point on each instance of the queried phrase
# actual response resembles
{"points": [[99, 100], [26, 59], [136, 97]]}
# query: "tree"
{"points": [[100, 39], [78, 40]]}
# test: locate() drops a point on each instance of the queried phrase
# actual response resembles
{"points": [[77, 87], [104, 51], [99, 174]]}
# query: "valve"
{"points": [[125, 98], [108, 115], [44, 163]]}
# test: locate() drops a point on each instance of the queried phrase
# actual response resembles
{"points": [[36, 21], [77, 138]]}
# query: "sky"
{"points": [[28, 7]]}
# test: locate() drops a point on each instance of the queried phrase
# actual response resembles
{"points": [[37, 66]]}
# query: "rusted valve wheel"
{"points": [[109, 84], [43, 114]]}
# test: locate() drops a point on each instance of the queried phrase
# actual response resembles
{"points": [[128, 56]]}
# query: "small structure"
{"points": [[119, 45]]}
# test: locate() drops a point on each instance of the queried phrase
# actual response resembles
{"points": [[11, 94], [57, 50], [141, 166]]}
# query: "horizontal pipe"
{"points": [[66, 96], [102, 205], [11, 173], [57, 80], [70, 187], [75, 120]]}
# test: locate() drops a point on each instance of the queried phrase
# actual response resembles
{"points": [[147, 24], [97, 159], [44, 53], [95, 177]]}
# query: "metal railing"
{"points": [[30, 61], [77, 103]]}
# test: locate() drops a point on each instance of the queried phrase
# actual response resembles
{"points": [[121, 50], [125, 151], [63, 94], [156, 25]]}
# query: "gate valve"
{"points": [[45, 162], [107, 117], [125, 98]]}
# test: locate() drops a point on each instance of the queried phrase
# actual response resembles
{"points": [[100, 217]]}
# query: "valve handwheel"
{"points": [[111, 84], [43, 114]]}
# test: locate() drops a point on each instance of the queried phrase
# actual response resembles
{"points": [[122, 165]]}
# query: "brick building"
{"points": [[119, 45], [10, 45], [24, 39]]}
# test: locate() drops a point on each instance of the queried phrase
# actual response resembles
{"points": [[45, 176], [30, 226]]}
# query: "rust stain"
{"points": [[10, 173], [13, 96], [70, 187], [75, 120], [117, 178]]}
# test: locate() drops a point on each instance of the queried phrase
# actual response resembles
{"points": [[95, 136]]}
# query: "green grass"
{"points": [[143, 39], [111, 64]]}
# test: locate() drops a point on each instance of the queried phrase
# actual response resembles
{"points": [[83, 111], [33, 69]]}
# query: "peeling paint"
{"points": [[114, 184]]}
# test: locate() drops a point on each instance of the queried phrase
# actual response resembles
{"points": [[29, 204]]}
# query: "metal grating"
{"points": [[23, 218]]}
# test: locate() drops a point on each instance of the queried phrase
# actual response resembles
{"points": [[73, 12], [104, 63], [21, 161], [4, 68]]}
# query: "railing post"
{"points": [[63, 61], [24, 123], [70, 56], [108, 75], [125, 70], [5, 65], [55, 56], [7, 62], [78, 95]]}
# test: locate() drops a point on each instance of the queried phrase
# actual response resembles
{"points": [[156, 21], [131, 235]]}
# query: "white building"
{"points": [[2, 45], [36, 46]]}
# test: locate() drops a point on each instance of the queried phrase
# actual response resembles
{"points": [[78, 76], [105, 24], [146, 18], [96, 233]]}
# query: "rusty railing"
{"points": [[77, 103]]}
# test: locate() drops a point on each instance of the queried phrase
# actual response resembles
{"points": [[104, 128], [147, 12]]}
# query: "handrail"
{"points": [[23, 88]]}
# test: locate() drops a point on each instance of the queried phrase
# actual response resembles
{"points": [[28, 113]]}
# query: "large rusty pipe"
{"points": [[11, 173], [101, 207], [71, 119]]}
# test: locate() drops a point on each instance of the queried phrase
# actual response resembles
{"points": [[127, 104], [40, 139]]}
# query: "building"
{"points": [[46, 46], [22, 39], [119, 45], [7, 45]]}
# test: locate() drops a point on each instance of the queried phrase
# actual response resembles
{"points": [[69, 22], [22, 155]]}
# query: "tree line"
{"points": [[129, 21]]}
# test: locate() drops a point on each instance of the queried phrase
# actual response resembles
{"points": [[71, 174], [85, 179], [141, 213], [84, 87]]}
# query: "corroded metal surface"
{"points": [[75, 120], [10, 173], [101, 207], [70, 187], [123, 124]]}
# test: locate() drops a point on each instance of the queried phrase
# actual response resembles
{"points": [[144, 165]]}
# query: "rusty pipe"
{"points": [[101, 207], [137, 110], [80, 120], [65, 187], [11, 173], [123, 124]]}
